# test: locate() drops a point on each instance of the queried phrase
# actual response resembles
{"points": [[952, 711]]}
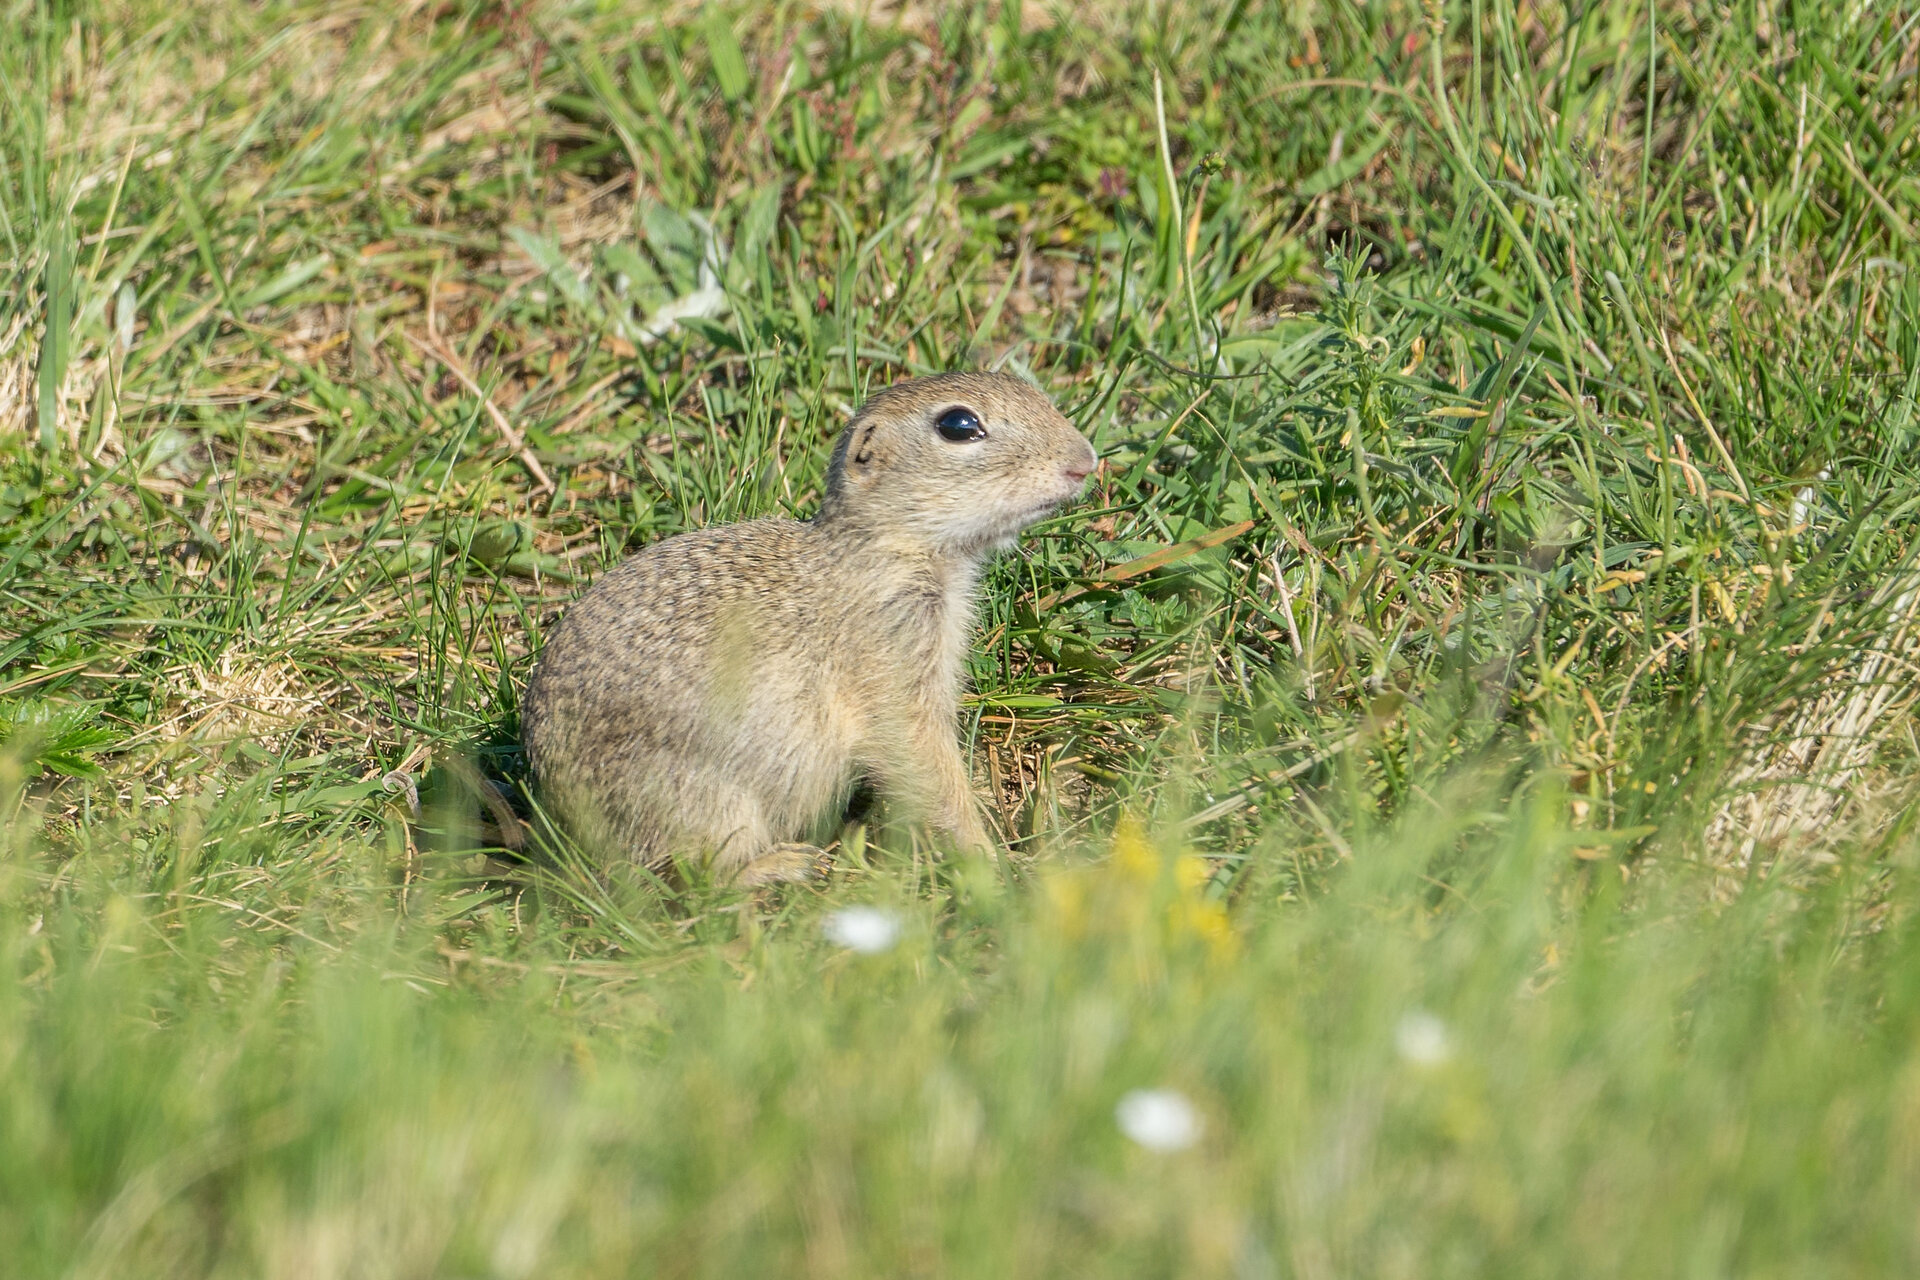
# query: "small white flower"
{"points": [[125, 304], [867, 930], [1159, 1119], [1801, 513], [1422, 1038]]}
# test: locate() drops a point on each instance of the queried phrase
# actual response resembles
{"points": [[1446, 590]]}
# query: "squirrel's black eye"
{"points": [[959, 425]]}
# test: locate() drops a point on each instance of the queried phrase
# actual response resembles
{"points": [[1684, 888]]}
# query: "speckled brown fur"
{"points": [[716, 694]]}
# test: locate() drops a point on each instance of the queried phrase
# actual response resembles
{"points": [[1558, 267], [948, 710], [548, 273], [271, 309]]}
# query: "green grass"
{"points": [[1496, 611]]}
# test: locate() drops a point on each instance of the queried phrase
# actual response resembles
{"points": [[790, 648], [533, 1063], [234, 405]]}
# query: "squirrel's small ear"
{"points": [[860, 454]]}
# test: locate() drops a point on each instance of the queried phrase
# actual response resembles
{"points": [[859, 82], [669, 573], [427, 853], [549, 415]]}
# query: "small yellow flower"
{"points": [[1141, 893], [1133, 854], [1191, 873], [1067, 897], [1208, 921]]}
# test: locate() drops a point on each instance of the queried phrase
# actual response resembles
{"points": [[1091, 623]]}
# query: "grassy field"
{"points": [[1463, 752]]}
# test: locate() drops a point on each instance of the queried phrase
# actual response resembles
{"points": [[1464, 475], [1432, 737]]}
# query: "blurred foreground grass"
{"points": [[1510, 1085], [1465, 749]]}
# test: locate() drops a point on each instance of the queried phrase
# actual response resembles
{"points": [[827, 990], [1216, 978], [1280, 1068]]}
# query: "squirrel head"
{"points": [[959, 462]]}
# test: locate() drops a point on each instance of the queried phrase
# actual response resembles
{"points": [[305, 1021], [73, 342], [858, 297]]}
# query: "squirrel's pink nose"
{"points": [[1081, 469]]}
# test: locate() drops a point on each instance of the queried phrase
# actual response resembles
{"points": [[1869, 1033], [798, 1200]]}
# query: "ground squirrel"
{"points": [[718, 693]]}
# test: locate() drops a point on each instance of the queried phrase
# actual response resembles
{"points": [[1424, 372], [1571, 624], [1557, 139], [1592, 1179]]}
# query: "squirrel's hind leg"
{"points": [[744, 849], [789, 863]]}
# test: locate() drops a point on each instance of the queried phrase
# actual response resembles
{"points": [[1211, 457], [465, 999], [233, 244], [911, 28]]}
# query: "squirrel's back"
{"points": [[652, 637]]}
